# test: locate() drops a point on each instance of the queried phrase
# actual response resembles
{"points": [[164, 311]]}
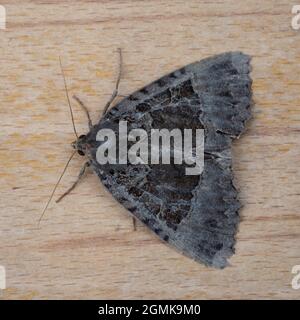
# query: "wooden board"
{"points": [[86, 246]]}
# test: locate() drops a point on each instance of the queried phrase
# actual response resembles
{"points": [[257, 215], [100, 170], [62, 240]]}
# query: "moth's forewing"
{"points": [[197, 214]]}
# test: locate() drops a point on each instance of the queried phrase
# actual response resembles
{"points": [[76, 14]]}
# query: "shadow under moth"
{"points": [[196, 214]]}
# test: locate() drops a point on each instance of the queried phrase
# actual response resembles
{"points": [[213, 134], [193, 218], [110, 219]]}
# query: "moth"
{"points": [[196, 214]]}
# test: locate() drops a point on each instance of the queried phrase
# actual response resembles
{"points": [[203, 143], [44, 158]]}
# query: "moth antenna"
{"points": [[56, 185], [68, 98]]}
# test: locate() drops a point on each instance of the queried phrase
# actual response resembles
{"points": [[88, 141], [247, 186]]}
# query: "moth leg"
{"points": [[115, 92], [81, 174], [85, 109], [134, 223]]}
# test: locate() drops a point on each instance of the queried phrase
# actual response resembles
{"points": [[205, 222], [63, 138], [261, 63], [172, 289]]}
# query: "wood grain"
{"points": [[85, 247]]}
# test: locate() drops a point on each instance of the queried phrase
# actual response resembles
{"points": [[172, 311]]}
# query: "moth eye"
{"points": [[81, 152], [82, 136]]}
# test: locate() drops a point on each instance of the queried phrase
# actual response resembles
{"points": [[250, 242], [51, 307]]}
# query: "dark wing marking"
{"points": [[196, 214]]}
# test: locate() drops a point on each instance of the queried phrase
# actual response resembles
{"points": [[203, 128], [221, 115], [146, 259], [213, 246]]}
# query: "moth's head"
{"points": [[80, 145]]}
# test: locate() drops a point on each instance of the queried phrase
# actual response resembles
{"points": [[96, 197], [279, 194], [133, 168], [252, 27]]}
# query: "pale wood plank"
{"points": [[85, 247]]}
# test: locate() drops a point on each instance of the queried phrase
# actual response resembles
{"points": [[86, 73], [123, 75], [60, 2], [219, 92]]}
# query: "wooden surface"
{"points": [[86, 247]]}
